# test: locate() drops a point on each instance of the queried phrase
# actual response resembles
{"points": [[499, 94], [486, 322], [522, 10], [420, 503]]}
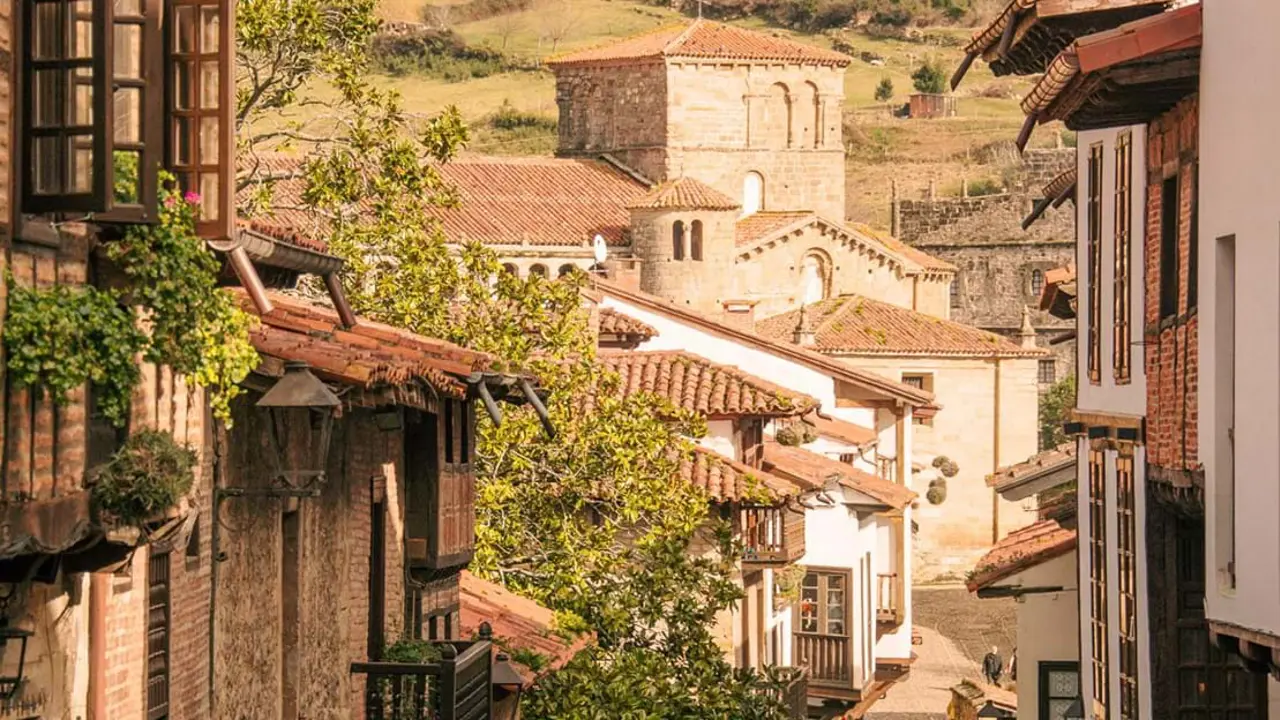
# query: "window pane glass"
{"points": [[835, 627], [81, 97], [45, 155], [209, 85], [1063, 684], [82, 29], [183, 89], [127, 185], [209, 29], [47, 31], [835, 582], [209, 140], [209, 196], [128, 120], [184, 34], [80, 176], [182, 140], [128, 51], [1058, 709], [48, 88], [128, 7]]}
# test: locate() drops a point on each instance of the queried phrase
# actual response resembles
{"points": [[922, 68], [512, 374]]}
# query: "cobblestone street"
{"points": [[957, 630]]}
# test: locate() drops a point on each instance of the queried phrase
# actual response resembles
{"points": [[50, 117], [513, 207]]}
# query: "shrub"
{"points": [[937, 493], [507, 117], [985, 186], [148, 475], [884, 91], [930, 77], [436, 53]]}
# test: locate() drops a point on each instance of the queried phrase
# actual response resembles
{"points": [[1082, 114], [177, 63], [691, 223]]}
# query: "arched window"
{"points": [[539, 270], [810, 116], [510, 269], [695, 240], [777, 117], [677, 241], [752, 193], [564, 270], [1037, 282], [815, 280]]}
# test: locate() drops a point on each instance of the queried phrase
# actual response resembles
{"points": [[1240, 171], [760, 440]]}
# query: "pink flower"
{"points": [[170, 201], [191, 197]]}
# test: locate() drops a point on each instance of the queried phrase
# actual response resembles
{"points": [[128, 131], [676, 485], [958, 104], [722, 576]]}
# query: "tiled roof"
{"points": [[861, 326], [684, 193], [841, 430], [518, 624], [369, 356], [504, 201], [613, 322], [696, 384], [703, 39], [277, 230], [809, 467], [727, 480], [1046, 461], [760, 225], [1022, 549], [865, 379], [919, 257]]}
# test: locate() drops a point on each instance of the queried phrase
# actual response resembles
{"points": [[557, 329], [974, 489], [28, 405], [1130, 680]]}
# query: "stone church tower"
{"points": [[683, 233], [754, 116]]}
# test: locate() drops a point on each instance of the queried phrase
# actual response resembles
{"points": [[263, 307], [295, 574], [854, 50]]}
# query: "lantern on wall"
{"points": [[300, 408], [10, 683]]}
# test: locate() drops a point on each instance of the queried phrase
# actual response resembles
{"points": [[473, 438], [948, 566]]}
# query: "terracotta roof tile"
{"points": [[842, 430], [684, 193], [367, 356], [1059, 294], [1040, 462], [696, 384], [862, 326], [503, 201], [919, 257], [704, 39], [760, 225], [613, 322], [727, 480], [809, 467], [1022, 549], [274, 229], [518, 624]]}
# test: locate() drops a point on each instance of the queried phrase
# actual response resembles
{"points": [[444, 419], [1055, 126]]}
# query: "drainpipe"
{"points": [[248, 277], [334, 284], [995, 458], [97, 646]]}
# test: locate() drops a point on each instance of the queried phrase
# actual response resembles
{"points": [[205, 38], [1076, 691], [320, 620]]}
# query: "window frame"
{"points": [[155, 708], [1193, 249], [695, 241], [1093, 250], [677, 241], [1037, 282], [1043, 670], [1122, 295], [1170, 220], [1052, 364], [920, 381], [1127, 582], [823, 575], [1099, 650]]}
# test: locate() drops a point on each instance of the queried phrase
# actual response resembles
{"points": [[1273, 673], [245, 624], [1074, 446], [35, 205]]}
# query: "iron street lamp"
{"points": [[297, 392], [507, 679], [9, 684], [989, 710]]}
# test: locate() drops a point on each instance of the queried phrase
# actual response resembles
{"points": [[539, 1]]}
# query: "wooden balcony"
{"points": [[456, 687], [889, 599], [440, 507], [771, 536], [828, 658]]}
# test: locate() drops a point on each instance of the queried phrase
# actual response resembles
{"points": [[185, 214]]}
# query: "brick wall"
{"points": [[1171, 343]]}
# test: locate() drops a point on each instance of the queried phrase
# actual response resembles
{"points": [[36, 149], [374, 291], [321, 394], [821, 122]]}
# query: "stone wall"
{"points": [[617, 109], [1172, 354], [700, 284]]}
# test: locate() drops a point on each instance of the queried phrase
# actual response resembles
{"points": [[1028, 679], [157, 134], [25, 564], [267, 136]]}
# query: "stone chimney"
{"points": [[804, 334], [740, 314], [1027, 333], [623, 272]]}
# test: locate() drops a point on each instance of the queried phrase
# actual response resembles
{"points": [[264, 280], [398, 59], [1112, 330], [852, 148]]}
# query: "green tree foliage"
{"points": [[1054, 405], [595, 522], [884, 91], [930, 77]]}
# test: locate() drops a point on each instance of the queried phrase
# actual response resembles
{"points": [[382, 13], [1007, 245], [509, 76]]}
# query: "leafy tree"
{"points": [[1054, 405], [884, 91], [595, 522], [930, 77]]}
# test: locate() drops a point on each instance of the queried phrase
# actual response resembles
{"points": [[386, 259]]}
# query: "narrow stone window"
{"points": [[677, 240], [539, 270], [752, 193], [695, 240], [564, 270], [1037, 283]]}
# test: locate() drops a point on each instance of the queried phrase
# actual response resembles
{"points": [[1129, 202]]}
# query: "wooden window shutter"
{"points": [[201, 51]]}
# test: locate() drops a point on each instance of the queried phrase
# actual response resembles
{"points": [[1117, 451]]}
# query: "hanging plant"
{"points": [[789, 436], [937, 493], [147, 476], [786, 586], [59, 338], [946, 466]]}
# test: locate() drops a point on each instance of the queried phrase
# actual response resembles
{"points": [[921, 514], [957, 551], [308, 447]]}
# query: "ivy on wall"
{"points": [[170, 312]]}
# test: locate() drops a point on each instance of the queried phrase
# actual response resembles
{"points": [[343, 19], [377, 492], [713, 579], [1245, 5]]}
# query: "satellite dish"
{"points": [[599, 249]]}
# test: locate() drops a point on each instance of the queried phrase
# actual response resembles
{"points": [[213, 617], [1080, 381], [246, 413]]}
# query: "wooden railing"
{"points": [[794, 693], [771, 535], [455, 687], [887, 610], [826, 657]]}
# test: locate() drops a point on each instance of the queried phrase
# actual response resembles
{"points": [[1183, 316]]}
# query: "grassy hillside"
{"points": [[882, 148]]}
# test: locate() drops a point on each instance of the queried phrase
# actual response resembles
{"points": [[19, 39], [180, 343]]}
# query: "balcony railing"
{"points": [[794, 693], [455, 687], [887, 607], [771, 535], [827, 658]]}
